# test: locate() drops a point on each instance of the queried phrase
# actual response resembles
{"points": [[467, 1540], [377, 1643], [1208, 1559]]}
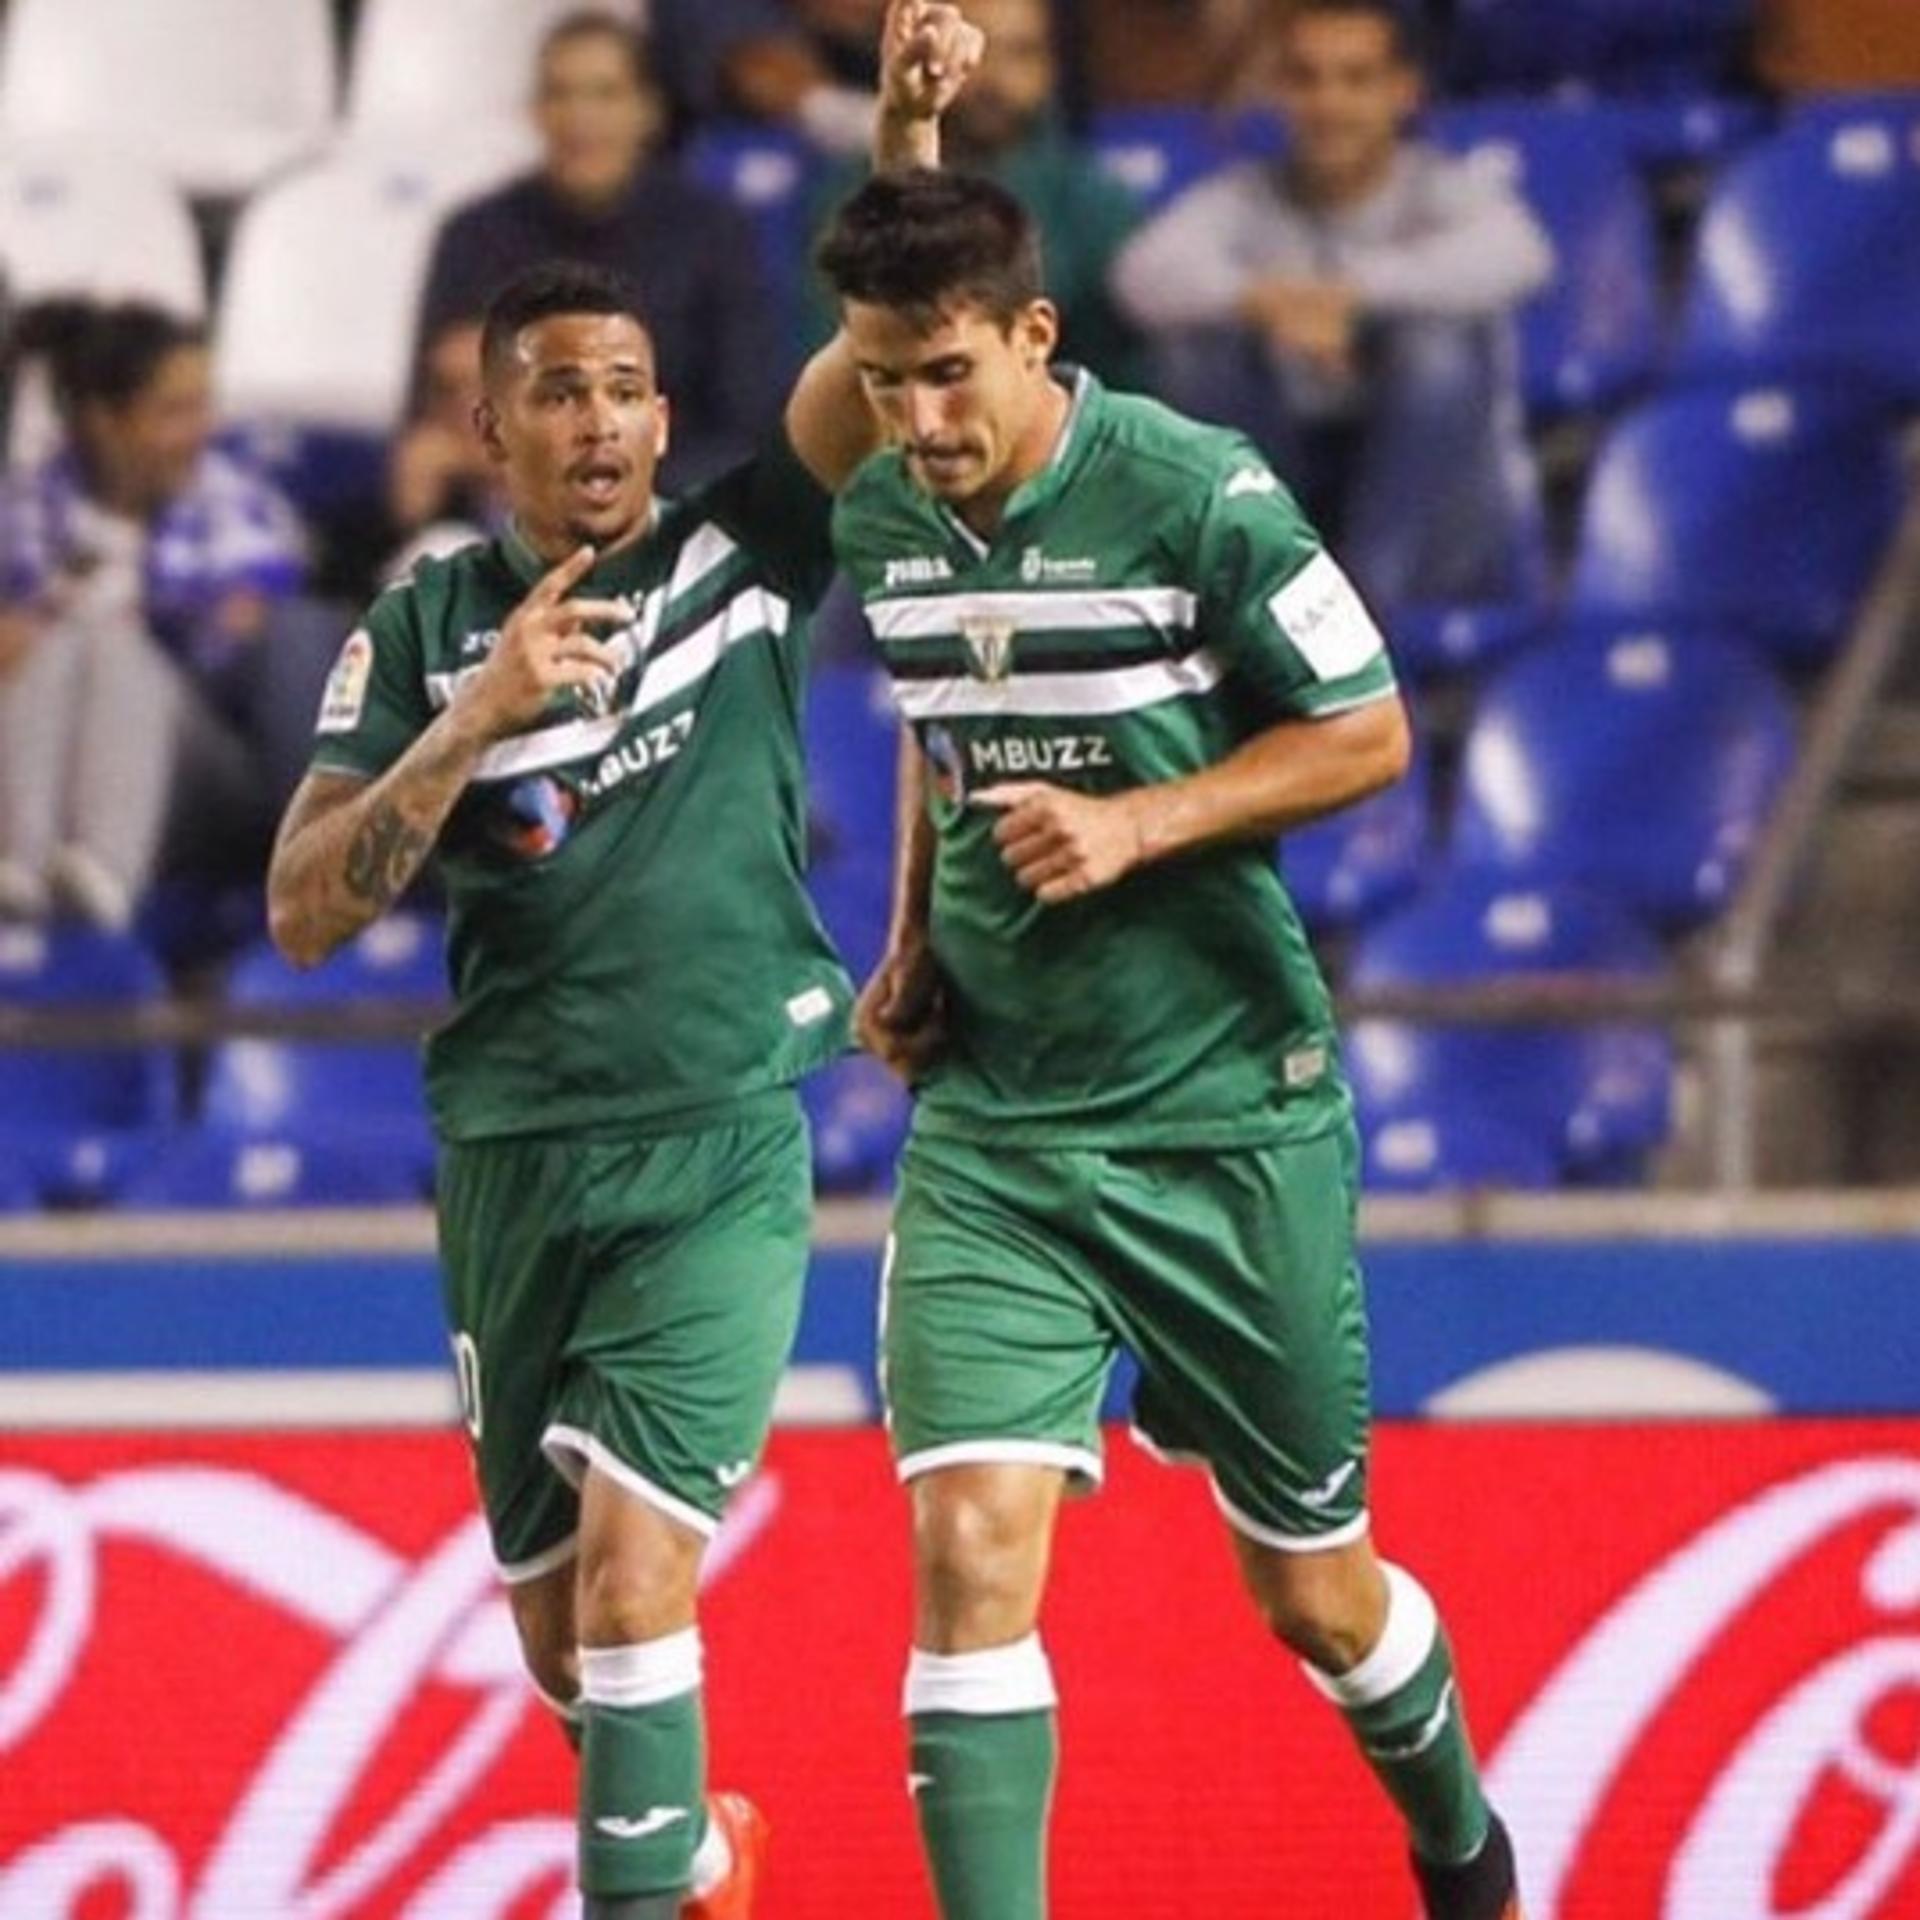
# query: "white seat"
{"points": [[74, 222], [418, 63], [454, 162], [217, 94], [321, 294]]}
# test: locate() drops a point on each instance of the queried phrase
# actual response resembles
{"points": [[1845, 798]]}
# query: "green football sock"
{"points": [[982, 1747], [642, 1772], [1403, 1705]]}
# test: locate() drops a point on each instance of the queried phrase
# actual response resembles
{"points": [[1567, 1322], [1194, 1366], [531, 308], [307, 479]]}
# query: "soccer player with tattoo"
{"points": [[594, 720], [1128, 665]]}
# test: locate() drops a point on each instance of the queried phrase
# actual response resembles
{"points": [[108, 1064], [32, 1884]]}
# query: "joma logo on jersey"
{"points": [[484, 641], [641, 754], [1049, 753], [989, 645], [923, 570]]}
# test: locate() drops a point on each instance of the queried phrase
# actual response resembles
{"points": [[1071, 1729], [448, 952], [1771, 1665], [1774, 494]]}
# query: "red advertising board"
{"points": [[270, 1676]]}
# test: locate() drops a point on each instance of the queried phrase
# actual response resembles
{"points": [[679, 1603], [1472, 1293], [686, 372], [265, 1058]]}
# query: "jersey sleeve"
{"points": [[781, 514], [375, 704], [1277, 607]]}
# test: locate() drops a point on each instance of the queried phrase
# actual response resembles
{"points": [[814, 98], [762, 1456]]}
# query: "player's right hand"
{"points": [[546, 646], [901, 1015]]}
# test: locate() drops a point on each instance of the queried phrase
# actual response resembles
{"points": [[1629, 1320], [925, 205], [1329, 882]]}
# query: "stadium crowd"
{"points": [[1359, 232]]}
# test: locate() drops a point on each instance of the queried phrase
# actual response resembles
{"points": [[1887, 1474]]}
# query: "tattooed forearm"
{"points": [[348, 848], [384, 856]]}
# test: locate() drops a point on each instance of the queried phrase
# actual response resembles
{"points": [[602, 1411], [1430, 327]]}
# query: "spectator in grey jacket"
{"points": [[1350, 307]]}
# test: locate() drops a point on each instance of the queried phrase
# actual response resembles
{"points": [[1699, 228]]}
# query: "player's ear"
{"points": [[486, 423], [1036, 332], [662, 426]]}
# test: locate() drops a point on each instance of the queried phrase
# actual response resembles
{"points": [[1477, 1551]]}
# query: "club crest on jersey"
{"points": [[989, 645]]}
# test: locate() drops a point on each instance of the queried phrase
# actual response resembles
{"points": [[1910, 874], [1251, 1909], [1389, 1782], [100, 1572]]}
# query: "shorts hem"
{"points": [[1167, 1456], [568, 1447], [1341, 1536], [1082, 1461], [516, 1573]]}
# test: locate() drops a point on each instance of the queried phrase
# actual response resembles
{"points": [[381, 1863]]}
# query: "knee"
{"points": [[632, 1590], [1328, 1609], [548, 1643], [978, 1562]]}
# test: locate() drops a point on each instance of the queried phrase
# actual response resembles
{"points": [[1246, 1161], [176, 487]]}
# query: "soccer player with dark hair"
{"points": [[595, 720], [1128, 665]]}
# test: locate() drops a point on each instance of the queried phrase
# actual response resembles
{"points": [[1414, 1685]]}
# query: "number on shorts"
{"points": [[466, 1375]]}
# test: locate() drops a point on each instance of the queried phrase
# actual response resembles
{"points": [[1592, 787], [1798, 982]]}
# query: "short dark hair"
{"points": [[558, 286], [921, 240], [598, 23], [101, 355], [1397, 16]]}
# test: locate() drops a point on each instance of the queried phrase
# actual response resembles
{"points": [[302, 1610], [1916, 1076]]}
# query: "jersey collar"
{"points": [[614, 574], [1066, 459]]}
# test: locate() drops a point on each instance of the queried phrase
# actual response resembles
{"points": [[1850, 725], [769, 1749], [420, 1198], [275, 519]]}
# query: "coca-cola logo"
{"points": [[281, 1681], [1809, 1809], [394, 1625]]}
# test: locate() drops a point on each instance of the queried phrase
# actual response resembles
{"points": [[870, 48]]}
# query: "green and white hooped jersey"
{"points": [[1151, 601], [631, 941]]}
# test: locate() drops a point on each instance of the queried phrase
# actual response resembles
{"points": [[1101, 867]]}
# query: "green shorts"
{"points": [[628, 1305], [1015, 1277]]}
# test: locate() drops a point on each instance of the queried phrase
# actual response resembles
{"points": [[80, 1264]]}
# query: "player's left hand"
{"points": [[1059, 844], [928, 52]]}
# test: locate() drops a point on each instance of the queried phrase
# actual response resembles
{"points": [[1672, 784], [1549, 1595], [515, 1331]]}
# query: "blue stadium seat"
{"points": [[1431, 642], [859, 1113], [852, 763], [299, 1122], [1351, 867], [1427, 1153], [1616, 45], [1807, 264], [1696, 127], [1159, 152], [1593, 1099], [854, 894], [1763, 511], [17, 1191], [771, 174], [74, 1125], [1838, 109], [1642, 764], [210, 1169], [852, 739], [1590, 337]]}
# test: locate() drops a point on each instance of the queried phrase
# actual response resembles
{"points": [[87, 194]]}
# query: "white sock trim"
{"points": [[1412, 1627], [712, 1858], [644, 1674], [1009, 1679]]}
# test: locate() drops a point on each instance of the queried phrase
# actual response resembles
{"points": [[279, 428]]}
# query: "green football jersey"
{"points": [[630, 940], [1151, 600]]}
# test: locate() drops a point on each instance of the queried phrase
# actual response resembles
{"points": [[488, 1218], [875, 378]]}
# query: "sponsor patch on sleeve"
{"points": [[345, 699], [1325, 619]]}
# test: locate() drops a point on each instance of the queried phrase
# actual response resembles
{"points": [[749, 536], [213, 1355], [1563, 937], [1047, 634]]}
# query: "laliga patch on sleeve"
{"points": [[346, 696], [1326, 620]]}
